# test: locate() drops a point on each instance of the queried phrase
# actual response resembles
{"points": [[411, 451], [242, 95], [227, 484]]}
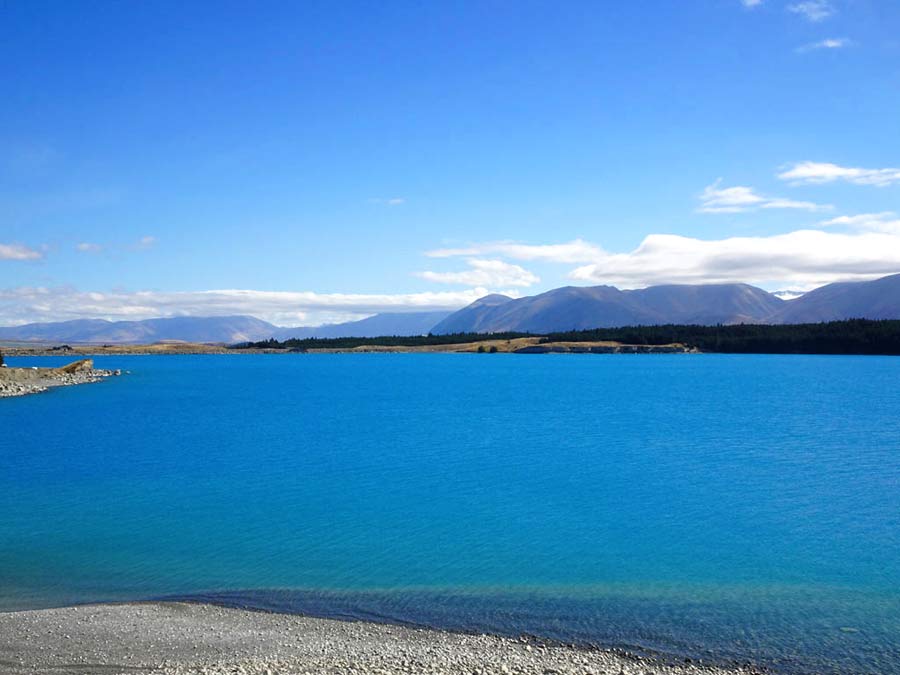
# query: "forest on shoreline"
{"points": [[854, 336]]}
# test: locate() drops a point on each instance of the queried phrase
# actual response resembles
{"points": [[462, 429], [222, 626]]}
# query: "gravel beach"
{"points": [[25, 381], [180, 638]]}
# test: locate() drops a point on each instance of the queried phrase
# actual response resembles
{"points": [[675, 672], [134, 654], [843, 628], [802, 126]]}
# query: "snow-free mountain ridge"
{"points": [[561, 309]]}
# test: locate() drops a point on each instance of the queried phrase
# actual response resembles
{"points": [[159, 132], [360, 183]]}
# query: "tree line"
{"points": [[853, 336], [303, 344]]}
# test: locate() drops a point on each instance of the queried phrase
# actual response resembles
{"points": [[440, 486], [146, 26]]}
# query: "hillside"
{"points": [[578, 308], [95, 331], [387, 323], [213, 329], [879, 299]]}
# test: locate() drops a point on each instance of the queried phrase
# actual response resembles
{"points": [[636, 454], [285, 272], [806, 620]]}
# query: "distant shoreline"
{"points": [[175, 638], [528, 345], [849, 337]]}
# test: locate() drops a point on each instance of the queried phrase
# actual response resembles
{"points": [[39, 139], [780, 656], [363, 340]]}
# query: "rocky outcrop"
{"points": [[24, 381], [82, 366]]}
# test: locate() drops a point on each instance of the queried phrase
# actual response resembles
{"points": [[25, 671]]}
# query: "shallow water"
{"points": [[746, 507]]}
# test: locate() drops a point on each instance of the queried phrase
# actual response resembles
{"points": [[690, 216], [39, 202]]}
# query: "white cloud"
{"points": [[575, 251], [18, 252], [146, 242], [802, 259], [886, 221], [88, 247], [23, 305], [812, 10], [829, 43], [739, 199], [788, 295], [825, 172], [798, 260], [482, 272], [390, 201], [750, 4]]}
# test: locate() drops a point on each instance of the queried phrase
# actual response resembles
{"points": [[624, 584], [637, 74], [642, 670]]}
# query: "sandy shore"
{"points": [[179, 638]]}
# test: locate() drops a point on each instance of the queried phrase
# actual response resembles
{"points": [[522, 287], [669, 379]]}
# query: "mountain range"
{"points": [[213, 329], [580, 308], [561, 309]]}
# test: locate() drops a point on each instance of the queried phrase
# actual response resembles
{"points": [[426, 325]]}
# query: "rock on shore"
{"points": [[178, 638], [24, 381]]}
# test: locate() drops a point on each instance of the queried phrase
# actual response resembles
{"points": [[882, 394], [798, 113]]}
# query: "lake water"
{"points": [[712, 506]]}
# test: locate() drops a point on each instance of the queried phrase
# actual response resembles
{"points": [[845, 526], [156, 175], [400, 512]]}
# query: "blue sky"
{"points": [[317, 161]]}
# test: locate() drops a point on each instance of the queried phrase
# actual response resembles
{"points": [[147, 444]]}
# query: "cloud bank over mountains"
{"points": [[27, 305], [802, 259], [491, 273]]}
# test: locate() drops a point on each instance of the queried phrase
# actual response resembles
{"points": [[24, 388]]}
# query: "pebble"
{"points": [[186, 639], [25, 381]]}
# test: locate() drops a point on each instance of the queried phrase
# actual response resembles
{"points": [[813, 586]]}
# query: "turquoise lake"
{"points": [[707, 506]]}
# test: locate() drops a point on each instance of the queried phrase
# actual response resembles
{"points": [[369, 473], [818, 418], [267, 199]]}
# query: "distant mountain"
{"points": [[878, 299], [216, 329], [187, 328], [471, 319], [562, 309], [708, 304], [579, 308], [388, 323]]}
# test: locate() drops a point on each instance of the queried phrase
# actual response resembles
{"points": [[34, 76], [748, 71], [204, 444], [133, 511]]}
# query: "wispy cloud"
{"points": [[750, 4], [19, 252], [390, 201], [738, 199], [142, 244], [824, 172], [829, 43], [813, 10], [289, 308], [491, 273], [575, 251], [802, 259], [885, 221]]}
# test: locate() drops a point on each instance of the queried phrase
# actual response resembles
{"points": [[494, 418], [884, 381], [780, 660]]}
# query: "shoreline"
{"points": [[18, 381], [176, 638], [529, 345]]}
